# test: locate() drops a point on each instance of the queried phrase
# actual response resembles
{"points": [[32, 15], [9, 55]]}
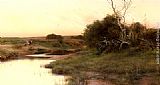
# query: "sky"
{"points": [[26, 18]]}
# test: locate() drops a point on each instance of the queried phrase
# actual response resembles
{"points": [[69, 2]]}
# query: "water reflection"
{"points": [[28, 72]]}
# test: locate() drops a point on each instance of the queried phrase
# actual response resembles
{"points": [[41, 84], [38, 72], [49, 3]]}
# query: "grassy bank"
{"points": [[14, 47], [8, 54], [127, 67]]}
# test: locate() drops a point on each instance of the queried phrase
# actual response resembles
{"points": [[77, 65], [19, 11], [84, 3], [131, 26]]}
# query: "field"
{"points": [[14, 47], [127, 67]]}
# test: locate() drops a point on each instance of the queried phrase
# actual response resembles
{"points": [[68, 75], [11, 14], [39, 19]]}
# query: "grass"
{"points": [[54, 44], [8, 54], [38, 46], [51, 44], [124, 67], [12, 41]]}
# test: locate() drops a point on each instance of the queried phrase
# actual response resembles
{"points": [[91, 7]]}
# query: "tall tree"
{"points": [[95, 32], [119, 13]]}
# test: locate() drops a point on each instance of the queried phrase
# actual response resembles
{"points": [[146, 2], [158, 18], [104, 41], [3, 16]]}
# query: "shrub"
{"points": [[96, 32], [137, 32], [54, 36], [150, 35]]}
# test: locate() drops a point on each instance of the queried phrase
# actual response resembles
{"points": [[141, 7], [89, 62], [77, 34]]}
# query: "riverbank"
{"points": [[15, 48], [128, 67], [8, 52]]}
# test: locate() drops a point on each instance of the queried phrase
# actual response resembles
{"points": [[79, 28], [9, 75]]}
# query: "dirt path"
{"points": [[145, 81]]}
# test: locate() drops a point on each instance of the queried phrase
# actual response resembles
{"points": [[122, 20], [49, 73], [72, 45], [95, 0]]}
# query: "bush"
{"points": [[96, 32], [137, 32], [151, 35], [54, 36]]}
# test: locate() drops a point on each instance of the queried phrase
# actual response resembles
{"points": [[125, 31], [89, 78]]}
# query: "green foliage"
{"points": [[59, 38], [54, 36], [137, 27], [96, 32], [137, 32], [12, 41]]}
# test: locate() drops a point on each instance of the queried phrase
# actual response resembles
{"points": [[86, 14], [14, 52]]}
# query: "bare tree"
{"points": [[120, 13]]}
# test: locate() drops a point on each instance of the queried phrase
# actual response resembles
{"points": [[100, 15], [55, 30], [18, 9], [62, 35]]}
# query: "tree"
{"points": [[119, 13], [59, 38], [151, 35], [137, 31], [54, 36], [108, 28], [109, 25]]}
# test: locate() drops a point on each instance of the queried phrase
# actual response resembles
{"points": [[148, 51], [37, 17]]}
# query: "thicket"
{"points": [[136, 34]]}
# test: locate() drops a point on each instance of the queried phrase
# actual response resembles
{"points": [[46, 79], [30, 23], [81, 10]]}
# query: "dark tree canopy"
{"points": [[96, 32], [137, 27], [54, 36], [151, 35]]}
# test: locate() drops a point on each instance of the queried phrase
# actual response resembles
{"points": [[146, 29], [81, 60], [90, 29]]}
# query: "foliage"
{"points": [[12, 40], [137, 27], [58, 37], [54, 36], [108, 30], [96, 32], [137, 32], [150, 35]]}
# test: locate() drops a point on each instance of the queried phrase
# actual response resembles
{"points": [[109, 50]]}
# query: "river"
{"points": [[28, 72]]}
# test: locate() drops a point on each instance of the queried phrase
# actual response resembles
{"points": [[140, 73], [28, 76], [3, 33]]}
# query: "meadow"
{"points": [[127, 67]]}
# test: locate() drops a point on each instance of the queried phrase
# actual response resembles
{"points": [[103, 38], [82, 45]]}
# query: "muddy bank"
{"points": [[63, 52]]}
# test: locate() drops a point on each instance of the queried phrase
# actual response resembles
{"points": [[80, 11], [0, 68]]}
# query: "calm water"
{"points": [[28, 72]]}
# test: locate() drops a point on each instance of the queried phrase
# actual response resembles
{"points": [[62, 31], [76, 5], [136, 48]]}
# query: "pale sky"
{"points": [[27, 18]]}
